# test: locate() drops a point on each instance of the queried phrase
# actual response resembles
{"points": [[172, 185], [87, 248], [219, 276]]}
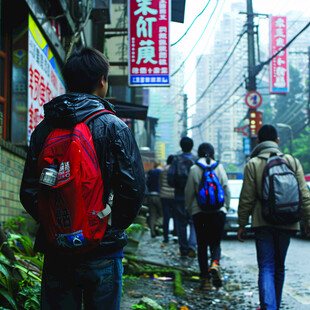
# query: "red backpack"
{"points": [[70, 198]]}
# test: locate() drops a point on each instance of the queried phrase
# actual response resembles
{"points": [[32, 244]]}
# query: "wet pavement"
{"points": [[239, 274]]}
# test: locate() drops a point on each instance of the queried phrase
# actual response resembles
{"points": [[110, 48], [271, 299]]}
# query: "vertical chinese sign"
{"points": [[44, 77], [278, 70], [148, 60]]}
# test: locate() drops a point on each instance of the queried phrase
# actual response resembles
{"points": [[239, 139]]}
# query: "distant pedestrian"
{"points": [[167, 199], [177, 177], [209, 225], [154, 202], [271, 239]]}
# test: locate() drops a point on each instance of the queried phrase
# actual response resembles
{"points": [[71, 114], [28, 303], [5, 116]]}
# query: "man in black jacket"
{"points": [[95, 277]]}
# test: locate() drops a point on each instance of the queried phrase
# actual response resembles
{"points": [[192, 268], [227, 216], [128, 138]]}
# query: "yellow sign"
{"points": [[160, 150]]}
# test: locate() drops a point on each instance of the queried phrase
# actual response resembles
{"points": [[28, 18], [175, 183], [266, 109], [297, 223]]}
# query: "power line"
{"points": [[220, 71], [196, 66], [230, 106], [173, 44], [218, 107], [182, 64], [256, 69]]}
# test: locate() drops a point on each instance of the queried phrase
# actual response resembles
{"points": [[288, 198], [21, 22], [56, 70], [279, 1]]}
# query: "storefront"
{"points": [[29, 77]]}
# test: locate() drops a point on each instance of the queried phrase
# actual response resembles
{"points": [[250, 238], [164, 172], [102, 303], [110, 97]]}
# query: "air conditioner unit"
{"points": [[101, 12]]}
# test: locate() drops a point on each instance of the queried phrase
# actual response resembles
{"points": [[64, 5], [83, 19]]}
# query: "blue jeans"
{"points": [[271, 246], [67, 283], [183, 218]]}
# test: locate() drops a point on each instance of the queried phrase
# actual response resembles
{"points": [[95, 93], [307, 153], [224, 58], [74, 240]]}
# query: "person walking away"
{"points": [[94, 277], [154, 203], [177, 177], [272, 236], [167, 199], [209, 222]]}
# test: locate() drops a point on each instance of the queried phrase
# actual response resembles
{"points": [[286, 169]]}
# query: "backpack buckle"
{"points": [[103, 213]]}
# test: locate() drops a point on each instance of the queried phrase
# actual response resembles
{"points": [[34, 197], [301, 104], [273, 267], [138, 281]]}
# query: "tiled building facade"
{"points": [[11, 170]]}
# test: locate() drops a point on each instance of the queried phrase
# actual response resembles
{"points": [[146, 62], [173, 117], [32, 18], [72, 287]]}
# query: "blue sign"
{"points": [[246, 145], [150, 80]]}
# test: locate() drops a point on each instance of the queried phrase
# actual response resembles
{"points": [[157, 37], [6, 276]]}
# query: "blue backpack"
{"points": [[210, 195]]}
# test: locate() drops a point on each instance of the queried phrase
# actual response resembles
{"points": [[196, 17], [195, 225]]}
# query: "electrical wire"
{"points": [[218, 107], [219, 72], [182, 64], [229, 107], [259, 67], [196, 66], [173, 44]]}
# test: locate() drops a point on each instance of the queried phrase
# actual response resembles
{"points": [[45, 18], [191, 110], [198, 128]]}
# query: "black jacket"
{"points": [[118, 155]]}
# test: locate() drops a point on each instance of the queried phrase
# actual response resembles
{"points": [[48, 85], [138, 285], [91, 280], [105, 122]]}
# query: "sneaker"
{"points": [[191, 253], [216, 275]]}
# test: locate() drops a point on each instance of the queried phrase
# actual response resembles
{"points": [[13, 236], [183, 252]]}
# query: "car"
{"points": [[302, 233], [231, 224]]}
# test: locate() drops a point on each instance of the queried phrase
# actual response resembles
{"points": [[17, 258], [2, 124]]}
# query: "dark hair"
{"points": [[83, 70], [170, 159], [206, 150], [156, 163], [186, 144], [267, 133]]}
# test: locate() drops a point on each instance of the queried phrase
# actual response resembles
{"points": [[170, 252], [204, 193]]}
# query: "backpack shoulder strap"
{"points": [[290, 158], [104, 111], [213, 166], [199, 164]]}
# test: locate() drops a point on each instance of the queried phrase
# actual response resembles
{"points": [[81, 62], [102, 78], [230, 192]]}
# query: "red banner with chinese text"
{"points": [[148, 60], [278, 69]]}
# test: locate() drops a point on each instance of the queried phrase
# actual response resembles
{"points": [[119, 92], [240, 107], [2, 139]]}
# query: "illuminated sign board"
{"points": [[148, 60]]}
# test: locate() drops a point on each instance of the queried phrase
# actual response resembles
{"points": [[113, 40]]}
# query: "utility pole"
{"points": [[251, 83], [184, 131]]}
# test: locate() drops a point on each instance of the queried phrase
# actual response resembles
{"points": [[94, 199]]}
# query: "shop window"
{"points": [[19, 84], [13, 71]]}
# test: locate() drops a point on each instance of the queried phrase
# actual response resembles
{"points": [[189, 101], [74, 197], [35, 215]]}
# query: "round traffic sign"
{"points": [[253, 99]]}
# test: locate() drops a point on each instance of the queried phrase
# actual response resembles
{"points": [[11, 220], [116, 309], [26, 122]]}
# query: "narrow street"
{"points": [[296, 293], [239, 272]]}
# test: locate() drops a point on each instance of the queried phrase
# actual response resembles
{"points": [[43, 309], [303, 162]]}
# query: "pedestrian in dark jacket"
{"points": [[93, 278], [154, 203], [177, 177], [167, 199]]}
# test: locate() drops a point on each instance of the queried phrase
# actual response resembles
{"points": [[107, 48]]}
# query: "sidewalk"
{"points": [[235, 293]]}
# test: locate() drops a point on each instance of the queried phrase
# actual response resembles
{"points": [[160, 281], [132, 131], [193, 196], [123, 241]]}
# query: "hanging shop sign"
{"points": [[278, 69], [44, 77], [148, 60]]}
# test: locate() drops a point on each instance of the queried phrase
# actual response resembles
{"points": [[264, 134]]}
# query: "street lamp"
{"points": [[281, 125]]}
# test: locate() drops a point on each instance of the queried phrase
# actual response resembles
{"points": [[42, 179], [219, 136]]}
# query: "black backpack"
{"points": [[281, 195], [182, 171]]}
